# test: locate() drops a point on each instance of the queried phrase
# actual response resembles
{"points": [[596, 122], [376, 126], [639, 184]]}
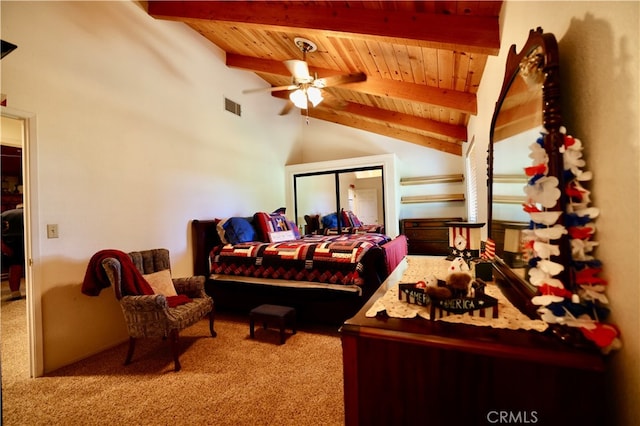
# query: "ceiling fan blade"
{"points": [[340, 79], [271, 89], [298, 69], [287, 108]]}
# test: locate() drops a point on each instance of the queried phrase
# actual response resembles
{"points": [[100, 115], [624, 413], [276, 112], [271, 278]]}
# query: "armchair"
{"points": [[151, 315]]}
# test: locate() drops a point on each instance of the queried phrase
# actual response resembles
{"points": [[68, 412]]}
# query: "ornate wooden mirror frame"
{"points": [[530, 97]]}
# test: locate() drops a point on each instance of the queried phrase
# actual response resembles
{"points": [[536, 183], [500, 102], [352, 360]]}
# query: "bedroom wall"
{"points": [[599, 51], [132, 142]]}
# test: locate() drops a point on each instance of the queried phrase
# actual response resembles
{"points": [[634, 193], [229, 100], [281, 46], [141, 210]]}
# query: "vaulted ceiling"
{"points": [[423, 60]]}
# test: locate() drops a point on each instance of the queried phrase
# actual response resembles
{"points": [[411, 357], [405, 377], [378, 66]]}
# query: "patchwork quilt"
{"points": [[333, 259]]}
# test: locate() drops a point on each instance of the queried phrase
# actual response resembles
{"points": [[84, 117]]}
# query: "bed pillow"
{"points": [[239, 230], [161, 282], [350, 219], [220, 230], [330, 221], [292, 226], [344, 216], [266, 223]]}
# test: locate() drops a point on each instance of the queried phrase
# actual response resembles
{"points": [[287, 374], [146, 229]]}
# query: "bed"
{"points": [[327, 278]]}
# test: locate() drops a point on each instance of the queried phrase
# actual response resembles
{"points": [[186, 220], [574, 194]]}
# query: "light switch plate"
{"points": [[52, 231]]}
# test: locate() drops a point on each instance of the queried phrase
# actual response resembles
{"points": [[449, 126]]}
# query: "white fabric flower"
{"points": [[593, 292], [582, 176], [538, 277], [545, 218], [546, 299], [580, 248], [548, 316], [545, 250], [551, 268], [538, 154], [544, 191], [573, 160], [552, 233]]}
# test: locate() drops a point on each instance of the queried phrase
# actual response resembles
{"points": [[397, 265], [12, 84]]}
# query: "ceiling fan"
{"points": [[306, 89]]}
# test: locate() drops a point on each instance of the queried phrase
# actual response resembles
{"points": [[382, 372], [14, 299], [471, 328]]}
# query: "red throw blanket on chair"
{"points": [[133, 283], [95, 279]]}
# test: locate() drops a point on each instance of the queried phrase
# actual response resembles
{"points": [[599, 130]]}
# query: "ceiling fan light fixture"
{"points": [[302, 97], [299, 98], [315, 95]]}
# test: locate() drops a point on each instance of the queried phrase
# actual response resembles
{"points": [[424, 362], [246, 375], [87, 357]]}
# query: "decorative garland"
{"points": [[583, 308]]}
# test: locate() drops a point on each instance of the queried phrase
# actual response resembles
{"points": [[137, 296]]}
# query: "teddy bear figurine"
{"points": [[459, 283]]}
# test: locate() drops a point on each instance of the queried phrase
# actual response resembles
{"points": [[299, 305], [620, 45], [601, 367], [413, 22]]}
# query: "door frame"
{"points": [[32, 270]]}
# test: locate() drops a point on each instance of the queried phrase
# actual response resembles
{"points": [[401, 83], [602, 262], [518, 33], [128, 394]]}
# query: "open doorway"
{"points": [[16, 353], [12, 220], [13, 251]]}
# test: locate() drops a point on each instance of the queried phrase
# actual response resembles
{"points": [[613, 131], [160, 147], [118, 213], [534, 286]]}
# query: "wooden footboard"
{"points": [[395, 250]]}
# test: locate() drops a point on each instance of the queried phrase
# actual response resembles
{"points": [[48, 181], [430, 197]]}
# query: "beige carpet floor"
{"points": [[227, 380]]}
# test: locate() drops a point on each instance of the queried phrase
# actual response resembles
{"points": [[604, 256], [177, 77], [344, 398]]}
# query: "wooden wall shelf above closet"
{"points": [[440, 198], [423, 180]]}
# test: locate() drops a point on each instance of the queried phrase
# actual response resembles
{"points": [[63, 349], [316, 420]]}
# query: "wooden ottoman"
{"points": [[281, 316]]}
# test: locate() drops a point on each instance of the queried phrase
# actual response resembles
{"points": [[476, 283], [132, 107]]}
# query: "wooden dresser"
{"points": [[418, 372], [428, 236]]}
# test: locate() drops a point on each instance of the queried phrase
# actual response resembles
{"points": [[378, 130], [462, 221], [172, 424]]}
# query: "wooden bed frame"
{"points": [[316, 305]]}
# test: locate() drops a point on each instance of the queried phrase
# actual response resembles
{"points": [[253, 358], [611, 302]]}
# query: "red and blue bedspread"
{"points": [[331, 259]]}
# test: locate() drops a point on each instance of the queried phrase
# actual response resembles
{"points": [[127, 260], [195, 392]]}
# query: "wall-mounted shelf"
{"points": [[440, 198], [509, 199], [510, 179], [423, 180]]}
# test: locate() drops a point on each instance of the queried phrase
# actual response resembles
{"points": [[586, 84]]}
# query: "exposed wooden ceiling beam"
{"points": [[455, 100], [382, 129], [260, 65], [459, 101], [475, 34], [409, 121], [518, 119]]}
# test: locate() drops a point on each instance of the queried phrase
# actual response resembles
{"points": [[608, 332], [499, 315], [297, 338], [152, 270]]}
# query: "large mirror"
{"points": [[527, 109], [360, 190], [364, 185]]}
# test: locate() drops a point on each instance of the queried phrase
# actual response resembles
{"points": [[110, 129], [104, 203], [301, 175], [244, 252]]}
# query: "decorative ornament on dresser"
{"points": [[558, 279], [581, 303]]}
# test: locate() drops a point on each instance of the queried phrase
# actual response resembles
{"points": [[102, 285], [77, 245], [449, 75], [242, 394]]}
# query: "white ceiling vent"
{"points": [[232, 107]]}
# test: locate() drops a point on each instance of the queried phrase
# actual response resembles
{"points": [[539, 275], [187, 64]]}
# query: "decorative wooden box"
{"points": [[464, 240], [411, 294], [482, 269], [463, 305]]}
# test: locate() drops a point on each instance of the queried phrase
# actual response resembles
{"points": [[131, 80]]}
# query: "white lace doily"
{"points": [[421, 267]]}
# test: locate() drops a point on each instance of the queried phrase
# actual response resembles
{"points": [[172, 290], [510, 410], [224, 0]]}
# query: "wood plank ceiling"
{"points": [[423, 60]]}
